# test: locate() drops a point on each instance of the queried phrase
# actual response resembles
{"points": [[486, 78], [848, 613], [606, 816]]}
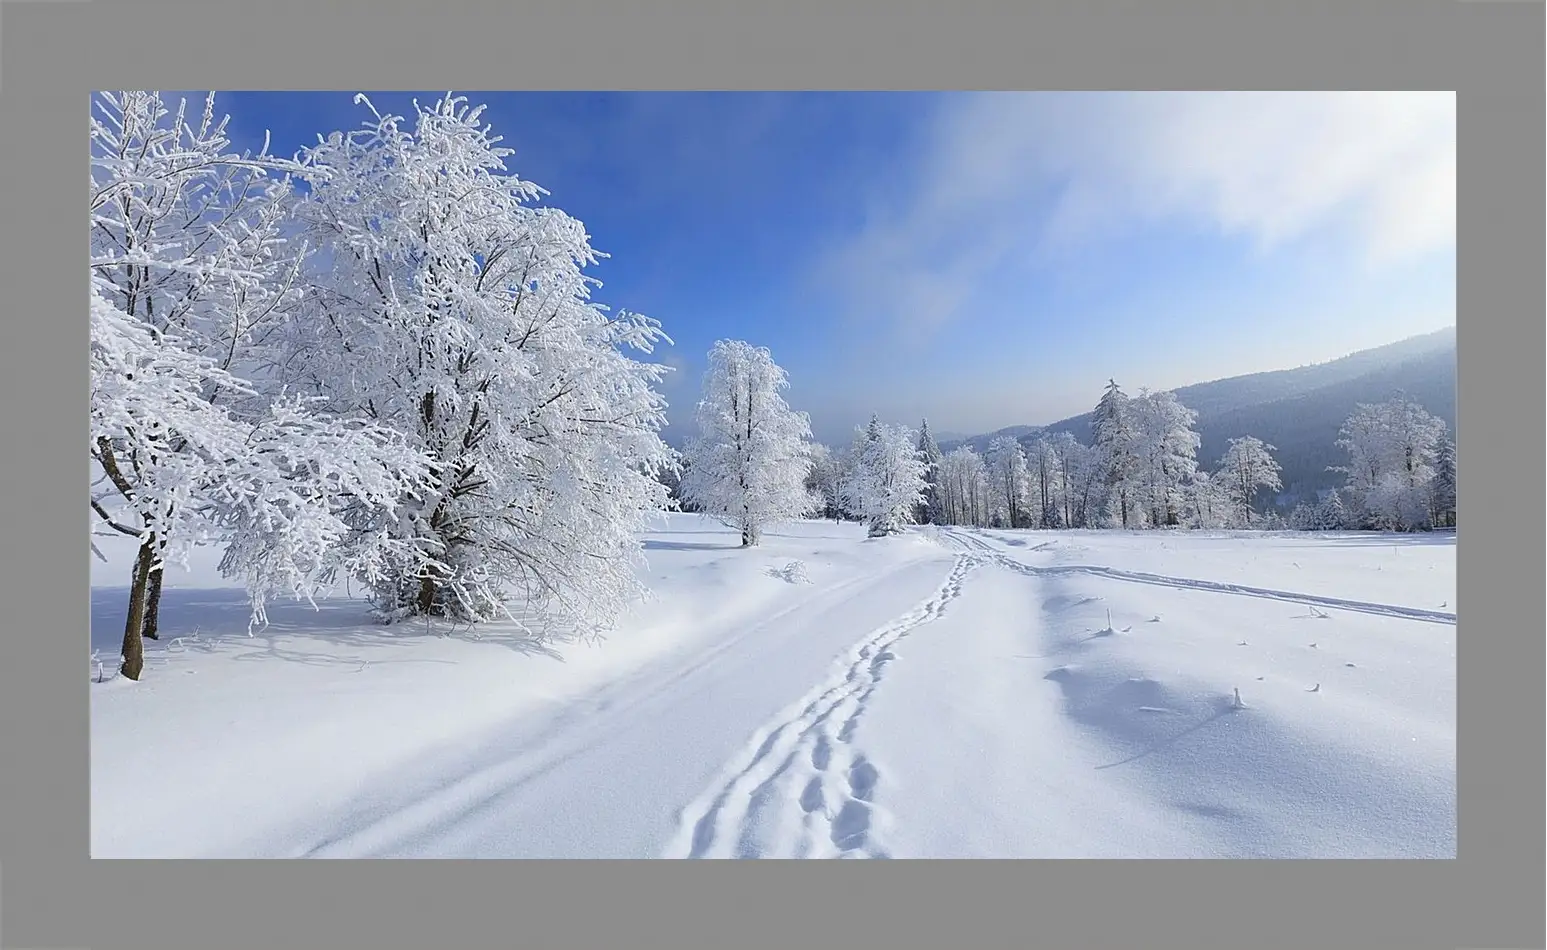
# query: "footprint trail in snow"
{"points": [[801, 789]]}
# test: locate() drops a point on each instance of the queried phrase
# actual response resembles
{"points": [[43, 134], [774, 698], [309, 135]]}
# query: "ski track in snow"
{"points": [[976, 544], [450, 799], [801, 783]]}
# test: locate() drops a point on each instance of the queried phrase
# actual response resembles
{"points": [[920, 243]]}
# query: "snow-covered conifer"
{"points": [[887, 483], [1443, 485], [929, 450], [1330, 514], [1115, 437], [1303, 517]]}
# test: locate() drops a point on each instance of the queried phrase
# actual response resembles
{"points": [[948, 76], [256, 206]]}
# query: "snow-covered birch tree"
{"points": [[1207, 505], [963, 488], [452, 306], [1246, 469], [1008, 479], [1079, 479], [751, 458], [1046, 476]]}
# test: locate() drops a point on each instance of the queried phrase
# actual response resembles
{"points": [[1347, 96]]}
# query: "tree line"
{"points": [[1140, 470]]}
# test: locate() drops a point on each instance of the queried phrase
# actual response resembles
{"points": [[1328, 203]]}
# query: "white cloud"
{"points": [[1005, 174]]}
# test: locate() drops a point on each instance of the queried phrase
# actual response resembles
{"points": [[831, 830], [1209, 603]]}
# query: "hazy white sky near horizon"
{"points": [[1163, 239]]}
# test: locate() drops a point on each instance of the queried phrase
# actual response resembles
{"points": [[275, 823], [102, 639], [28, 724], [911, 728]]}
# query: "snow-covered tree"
{"points": [[829, 470], [1045, 477], [887, 483], [1246, 469], [1115, 437], [1443, 486], [1167, 450], [1079, 479], [751, 458], [1208, 506], [194, 439], [450, 306], [929, 512], [980, 496], [1393, 447], [1009, 480], [948, 492], [1317, 515], [1303, 517], [1330, 514], [963, 483]]}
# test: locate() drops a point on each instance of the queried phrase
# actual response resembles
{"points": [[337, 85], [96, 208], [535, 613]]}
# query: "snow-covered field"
{"points": [[946, 693]]}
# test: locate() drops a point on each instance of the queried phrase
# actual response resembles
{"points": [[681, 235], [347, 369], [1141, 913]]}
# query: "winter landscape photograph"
{"points": [[766, 475]]}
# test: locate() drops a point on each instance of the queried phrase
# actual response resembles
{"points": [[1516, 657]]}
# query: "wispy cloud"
{"points": [[1002, 178]]}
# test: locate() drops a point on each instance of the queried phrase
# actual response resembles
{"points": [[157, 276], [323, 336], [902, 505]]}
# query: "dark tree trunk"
{"points": [[153, 604], [134, 625], [426, 595]]}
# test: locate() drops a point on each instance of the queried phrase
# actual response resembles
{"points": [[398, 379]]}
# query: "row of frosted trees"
{"points": [[752, 463], [1140, 471]]}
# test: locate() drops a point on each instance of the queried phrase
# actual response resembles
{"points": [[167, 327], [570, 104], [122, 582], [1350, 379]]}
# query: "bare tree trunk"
{"points": [[134, 642], [153, 603], [426, 595]]}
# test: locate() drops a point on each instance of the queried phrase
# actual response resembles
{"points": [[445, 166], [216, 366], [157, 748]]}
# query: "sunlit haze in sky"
{"points": [[984, 259]]}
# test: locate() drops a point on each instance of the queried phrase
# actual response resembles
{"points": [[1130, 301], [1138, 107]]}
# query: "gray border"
{"points": [[54, 54]]}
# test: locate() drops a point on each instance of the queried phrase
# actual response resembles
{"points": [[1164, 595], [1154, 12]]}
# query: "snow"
{"points": [[945, 692]]}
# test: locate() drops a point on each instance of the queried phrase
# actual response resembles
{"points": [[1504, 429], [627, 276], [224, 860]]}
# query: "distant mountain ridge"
{"points": [[1299, 411]]}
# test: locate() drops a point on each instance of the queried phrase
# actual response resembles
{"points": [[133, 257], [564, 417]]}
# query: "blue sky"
{"points": [[984, 259]]}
